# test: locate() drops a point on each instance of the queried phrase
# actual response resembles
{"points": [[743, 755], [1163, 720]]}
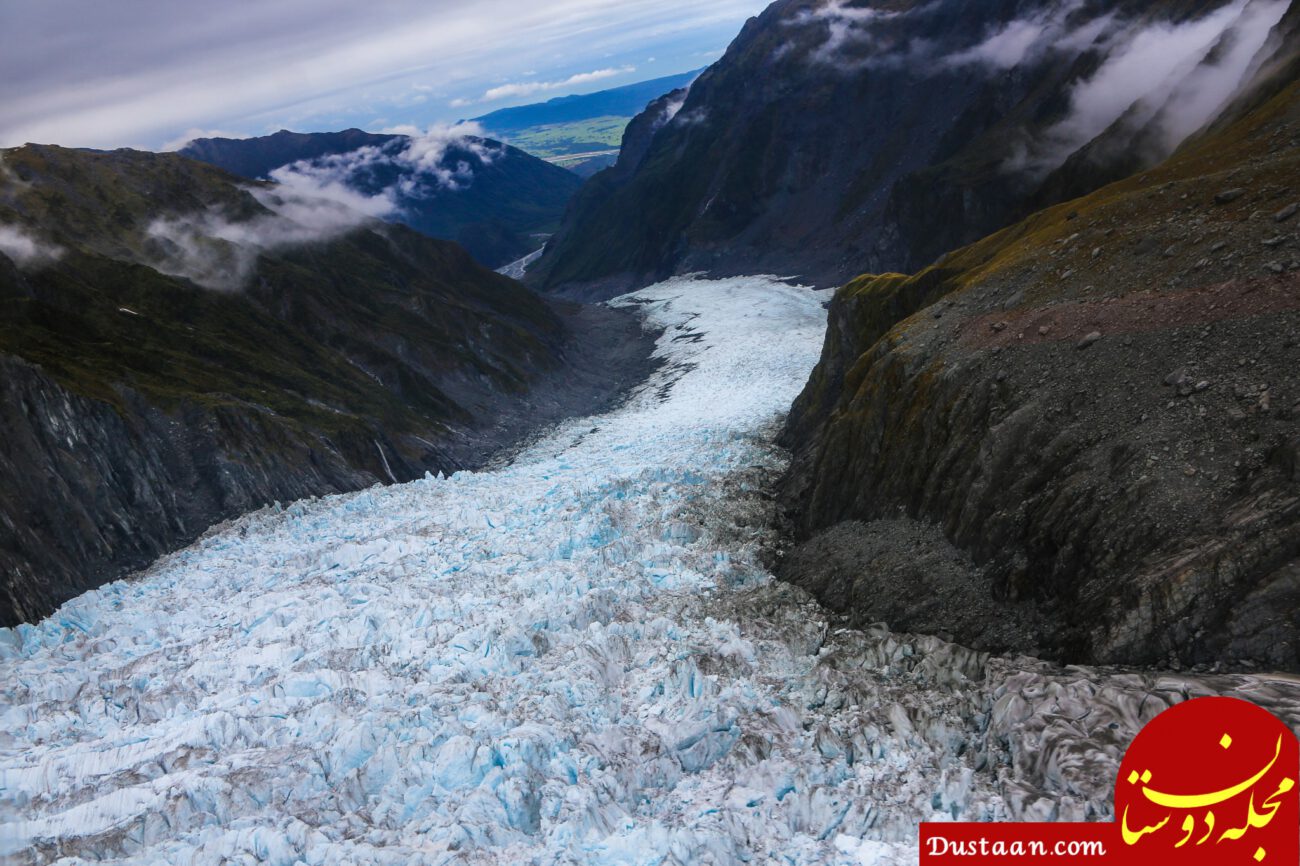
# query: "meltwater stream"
{"points": [[576, 658]]}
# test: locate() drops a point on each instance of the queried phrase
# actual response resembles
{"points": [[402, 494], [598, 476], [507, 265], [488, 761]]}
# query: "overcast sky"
{"points": [[150, 73]]}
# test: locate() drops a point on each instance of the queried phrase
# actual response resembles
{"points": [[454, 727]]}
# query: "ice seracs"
{"points": [[575, 658]]}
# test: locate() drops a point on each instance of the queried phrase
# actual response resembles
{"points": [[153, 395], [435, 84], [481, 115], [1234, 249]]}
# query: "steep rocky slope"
{"points": [[1080, 436], [487, 196], [178, 346], [841, 135]]}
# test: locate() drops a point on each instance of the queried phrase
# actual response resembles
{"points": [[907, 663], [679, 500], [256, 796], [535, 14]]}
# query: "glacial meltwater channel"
{"points": [[575, 658]]}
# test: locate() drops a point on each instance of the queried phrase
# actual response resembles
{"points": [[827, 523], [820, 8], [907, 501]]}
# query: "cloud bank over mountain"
{"points": [[317, 200], [1170, 76]]}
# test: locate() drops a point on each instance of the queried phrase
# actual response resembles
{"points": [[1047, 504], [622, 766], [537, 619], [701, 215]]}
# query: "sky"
{"points": [[153, 74]]}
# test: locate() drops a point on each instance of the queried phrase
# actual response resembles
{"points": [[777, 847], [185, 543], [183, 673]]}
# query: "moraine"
{"points": [[576, 657]]}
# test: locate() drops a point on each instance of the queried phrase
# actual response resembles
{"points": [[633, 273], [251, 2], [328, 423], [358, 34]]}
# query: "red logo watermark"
{"points": [[1211, 781]]}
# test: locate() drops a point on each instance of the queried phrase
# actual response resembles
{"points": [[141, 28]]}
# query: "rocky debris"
{"points": [[1181, 381], [907, 574]]}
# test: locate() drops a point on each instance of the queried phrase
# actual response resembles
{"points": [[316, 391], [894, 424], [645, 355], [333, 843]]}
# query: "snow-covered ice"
{"points": [[573, 658]]}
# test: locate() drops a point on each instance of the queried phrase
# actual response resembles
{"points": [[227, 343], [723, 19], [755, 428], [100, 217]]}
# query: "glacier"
{"points": [[575, 656]]}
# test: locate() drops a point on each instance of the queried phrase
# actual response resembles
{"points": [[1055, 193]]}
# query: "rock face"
{"points": [[487, 196], [139, 408], [838, 136], [1098, 407]]}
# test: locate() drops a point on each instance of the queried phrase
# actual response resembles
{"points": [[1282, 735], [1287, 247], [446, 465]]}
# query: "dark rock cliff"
{"points": [[1095, 410], [139, 408], [838, 137]]}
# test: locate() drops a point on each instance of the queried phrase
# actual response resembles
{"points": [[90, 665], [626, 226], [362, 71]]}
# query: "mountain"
{"points": [[1079, 436], [489, 197], [841, 135], [626, 101], [179, 346]]}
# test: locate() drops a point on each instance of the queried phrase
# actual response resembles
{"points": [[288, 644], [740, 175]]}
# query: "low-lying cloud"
{"points": [[221, 254], [25, 250], [319, 200], [518, 89], [1029, 39], [858, 37], [1162, 79], [671, 109], [1170, 79]]}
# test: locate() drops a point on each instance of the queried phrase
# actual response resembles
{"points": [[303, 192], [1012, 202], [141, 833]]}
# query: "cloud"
{"points": [[183, 140], [1163, 79], [861, 37], [1052, 29], [1198, 97], [420, 157], [671, 109], [317, 200], [25, 250], [1170, 78], [217, 253], [519, 89]]}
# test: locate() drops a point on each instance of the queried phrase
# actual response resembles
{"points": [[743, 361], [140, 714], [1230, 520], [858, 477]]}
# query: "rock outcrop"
{"points": [[837, 136], [1097, 408]]}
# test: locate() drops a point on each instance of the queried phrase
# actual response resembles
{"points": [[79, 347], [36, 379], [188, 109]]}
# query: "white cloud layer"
{"points": [[24, 249], [1173, 78], [314, 201], [421, 157], [1166, 78], [217, 253]]}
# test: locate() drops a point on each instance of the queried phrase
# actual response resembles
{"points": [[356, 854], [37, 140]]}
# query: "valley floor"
{"points": [[573, 658]]}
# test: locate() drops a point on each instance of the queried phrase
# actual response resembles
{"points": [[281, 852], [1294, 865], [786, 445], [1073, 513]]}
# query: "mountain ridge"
{"points": [[489, 197], [778, 160]]}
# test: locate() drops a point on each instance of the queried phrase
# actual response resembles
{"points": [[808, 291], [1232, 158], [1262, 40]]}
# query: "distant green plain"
{"points": [[566, 139]]}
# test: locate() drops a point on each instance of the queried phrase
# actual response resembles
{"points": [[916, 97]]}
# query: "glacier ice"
{"points": [[573, 657]]}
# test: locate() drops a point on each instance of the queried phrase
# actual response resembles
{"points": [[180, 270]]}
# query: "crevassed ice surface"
{"points": [[573, 658]]}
